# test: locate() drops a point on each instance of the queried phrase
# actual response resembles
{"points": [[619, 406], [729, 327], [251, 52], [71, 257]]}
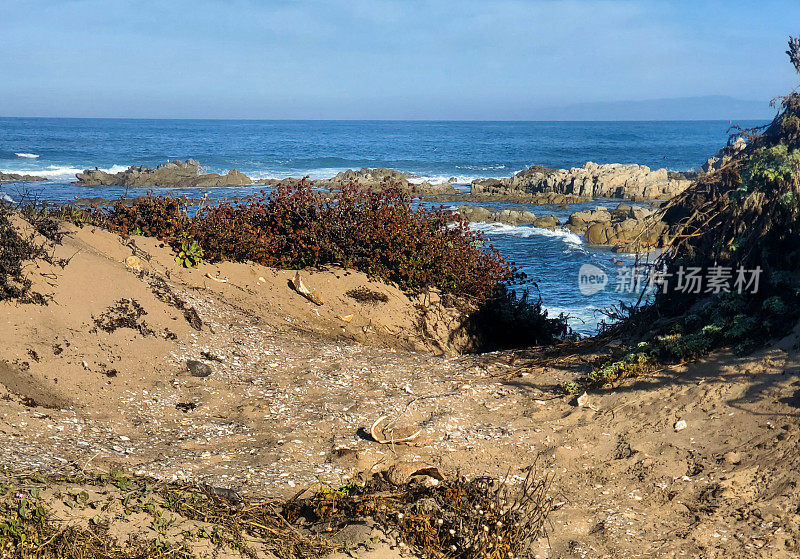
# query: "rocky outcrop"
{"points": [[627, 228], [724, 155], [509, 216], [376, 179], [538, 199], [373, 179], [175, 173], [634, 182], [14, 177]]}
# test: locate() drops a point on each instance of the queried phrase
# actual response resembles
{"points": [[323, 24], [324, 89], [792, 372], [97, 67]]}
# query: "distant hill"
{"points": [[712, 107]]}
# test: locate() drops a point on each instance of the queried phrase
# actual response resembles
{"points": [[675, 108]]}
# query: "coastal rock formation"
{"points": [[537, 199], [372, 179], [14, 177], [375, 179], [174, 173], [508, 216], [628, 228], [635, 182], [724, 155]]}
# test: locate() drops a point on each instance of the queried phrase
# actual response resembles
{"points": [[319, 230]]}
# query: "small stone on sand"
{"points": [[198, 368]]}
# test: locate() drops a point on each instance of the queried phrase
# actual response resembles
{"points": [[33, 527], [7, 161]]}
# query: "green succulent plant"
{"points": [[190, 254]]}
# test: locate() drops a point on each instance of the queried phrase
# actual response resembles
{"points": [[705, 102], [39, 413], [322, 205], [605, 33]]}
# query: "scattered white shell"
{"points": [[680, 425], [380, 439]]}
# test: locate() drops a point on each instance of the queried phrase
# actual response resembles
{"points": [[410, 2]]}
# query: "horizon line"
{"points": [[228, 119]]}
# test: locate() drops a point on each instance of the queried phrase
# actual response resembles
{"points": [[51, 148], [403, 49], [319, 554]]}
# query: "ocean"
{"points": [[431, 150]]}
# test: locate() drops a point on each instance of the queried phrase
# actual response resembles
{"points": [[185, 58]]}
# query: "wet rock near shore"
{"points": [[536, 199], [173, 174], [372, 179], [508, 216], [627, 228], [633, 182], [14, 177]]}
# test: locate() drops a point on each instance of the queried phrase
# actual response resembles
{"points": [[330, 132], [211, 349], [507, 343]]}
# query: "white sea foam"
{"points": [[59, 171], [6, 198], [439, 179], [476, 168], [313, 174], [27, 155], [583, 319], [525, 231]]}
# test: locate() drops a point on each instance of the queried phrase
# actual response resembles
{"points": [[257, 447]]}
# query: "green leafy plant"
{"points": [[776, 164], [190, 254]]}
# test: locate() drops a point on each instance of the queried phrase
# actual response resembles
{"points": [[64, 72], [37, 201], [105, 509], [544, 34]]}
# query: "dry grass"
{"points": [[481, 518]]}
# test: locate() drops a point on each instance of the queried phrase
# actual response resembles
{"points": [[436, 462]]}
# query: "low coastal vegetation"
{"points": [[80, 516], [380, 233], [295, 227], [21, 243]]}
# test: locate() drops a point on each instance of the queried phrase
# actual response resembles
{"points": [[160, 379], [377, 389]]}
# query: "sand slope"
{"points": [[293, 389]]}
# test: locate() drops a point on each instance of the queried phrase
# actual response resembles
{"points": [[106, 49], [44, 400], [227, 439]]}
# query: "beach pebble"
{"points": [[134, 263], [680, 425], [198, 368], [732, 457]]}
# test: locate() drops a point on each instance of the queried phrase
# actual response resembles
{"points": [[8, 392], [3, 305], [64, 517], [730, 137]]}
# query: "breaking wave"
{"points": [[526, 231]]}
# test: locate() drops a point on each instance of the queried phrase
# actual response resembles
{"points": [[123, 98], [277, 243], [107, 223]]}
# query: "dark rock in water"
{"points": [[508, 216], [520, 197], [547, 222], [377, 179], [198, 368], [175, 173], [628, 228], [371, 179], [14, 177]]}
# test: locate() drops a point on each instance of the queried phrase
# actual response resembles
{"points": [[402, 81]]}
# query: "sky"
{"points": [[394, 59]]}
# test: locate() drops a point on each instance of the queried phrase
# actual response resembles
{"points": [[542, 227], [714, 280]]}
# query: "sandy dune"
{"points": [[295, 386]]}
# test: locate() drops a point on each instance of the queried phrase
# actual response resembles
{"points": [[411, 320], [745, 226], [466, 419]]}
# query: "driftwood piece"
{"points": [[302, 289]]}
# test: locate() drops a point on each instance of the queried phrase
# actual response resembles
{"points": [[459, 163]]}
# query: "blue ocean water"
{"points": [[431, 150]]}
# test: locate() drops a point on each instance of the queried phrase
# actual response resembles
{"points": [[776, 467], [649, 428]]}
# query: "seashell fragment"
{"points": [[134, 263], [301, 288], [380, 436]]}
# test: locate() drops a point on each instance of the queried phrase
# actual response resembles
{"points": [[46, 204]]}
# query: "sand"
{"points": [[294, 386]]}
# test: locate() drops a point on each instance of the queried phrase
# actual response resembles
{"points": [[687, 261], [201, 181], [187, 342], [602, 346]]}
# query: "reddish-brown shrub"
{"points": [[380, 233]]}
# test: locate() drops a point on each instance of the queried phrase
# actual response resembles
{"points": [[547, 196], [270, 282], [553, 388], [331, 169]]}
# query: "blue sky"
{"points": [[386, 59]]}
